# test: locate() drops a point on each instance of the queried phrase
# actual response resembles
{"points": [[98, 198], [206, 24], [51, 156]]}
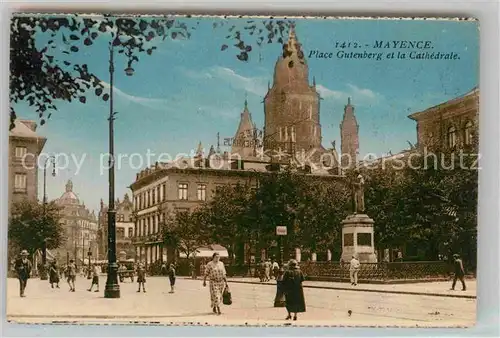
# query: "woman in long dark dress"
{"points": [[54, 274], [294, 293]]}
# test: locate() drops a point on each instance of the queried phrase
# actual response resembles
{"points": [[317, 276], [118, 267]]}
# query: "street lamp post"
{"points": [[112, 289], [43, 272]]}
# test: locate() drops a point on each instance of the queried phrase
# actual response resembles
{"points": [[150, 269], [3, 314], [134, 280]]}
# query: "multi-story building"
{"points": [[184, 185], [124, 228], [80, 225], [451, 124], [25, 145]]}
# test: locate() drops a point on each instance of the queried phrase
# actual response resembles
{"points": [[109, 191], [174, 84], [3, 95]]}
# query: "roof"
{"points": [[68, 197], [26, 129], [417, 115]]}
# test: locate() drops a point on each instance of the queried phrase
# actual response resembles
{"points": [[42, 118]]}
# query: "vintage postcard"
{"points": [[198, 170]]}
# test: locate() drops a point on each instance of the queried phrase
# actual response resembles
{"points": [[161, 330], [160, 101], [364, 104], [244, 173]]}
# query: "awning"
{"points": [[205, 252]]}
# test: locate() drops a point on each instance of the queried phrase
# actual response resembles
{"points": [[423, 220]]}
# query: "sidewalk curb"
{"points": [[366, 290]]}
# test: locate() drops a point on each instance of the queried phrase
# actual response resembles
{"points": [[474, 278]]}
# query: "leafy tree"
{"points": [[430, 203], [183, 231], [41, 75], [324, 208], [31, 224], [226, 217], [310, 210]]}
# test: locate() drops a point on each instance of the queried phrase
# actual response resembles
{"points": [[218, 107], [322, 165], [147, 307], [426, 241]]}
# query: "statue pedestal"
{"points": [[357, 238]]}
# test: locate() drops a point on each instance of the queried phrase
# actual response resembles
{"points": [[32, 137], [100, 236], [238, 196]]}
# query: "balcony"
{"points": [[149, 239]]}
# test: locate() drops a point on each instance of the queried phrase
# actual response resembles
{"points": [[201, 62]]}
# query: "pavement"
{"points": [[252, 305], [441, 289]]}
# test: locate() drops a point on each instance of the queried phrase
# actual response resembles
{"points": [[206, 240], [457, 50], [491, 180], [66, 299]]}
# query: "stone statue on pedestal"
{"points": [[358, 195]]}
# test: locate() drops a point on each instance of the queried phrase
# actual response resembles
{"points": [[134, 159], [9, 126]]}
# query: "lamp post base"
{"points": [[112, 289]]}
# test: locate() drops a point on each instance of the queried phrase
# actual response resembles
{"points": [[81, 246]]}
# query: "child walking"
{"points": [[171, 277], [95, 278], [141, 277]]}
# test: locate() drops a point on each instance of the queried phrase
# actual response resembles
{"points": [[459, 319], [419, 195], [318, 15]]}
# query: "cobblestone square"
{"points": [[252, 305]]}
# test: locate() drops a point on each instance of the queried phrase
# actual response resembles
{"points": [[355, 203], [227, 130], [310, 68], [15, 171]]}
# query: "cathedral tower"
{"points": [[244, 139], [349, 138], [291, 105]]}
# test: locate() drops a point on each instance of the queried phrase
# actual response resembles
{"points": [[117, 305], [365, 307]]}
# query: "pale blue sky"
{"points": [[189, 90]]}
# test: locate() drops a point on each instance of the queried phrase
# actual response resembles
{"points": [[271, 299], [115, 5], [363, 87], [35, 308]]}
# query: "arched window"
{"points": [[468, 133], [452, 137]]}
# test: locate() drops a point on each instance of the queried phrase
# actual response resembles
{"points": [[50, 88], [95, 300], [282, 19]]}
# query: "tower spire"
{"points": [[218, 143], [349, 137]]}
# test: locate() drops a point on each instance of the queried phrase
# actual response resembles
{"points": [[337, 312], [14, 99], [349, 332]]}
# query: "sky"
{"points": [[187, 91]]}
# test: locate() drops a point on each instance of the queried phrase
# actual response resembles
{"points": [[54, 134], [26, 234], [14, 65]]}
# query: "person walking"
{"points": [[279, 299], [262, 271], [267, 270], [354, 267], [23, 269], [459, 272], [216, 274], [171, 277], [192, 270], [141, 277], [276, 269], [54, 274], [71, 275], [294, 293], [95, 278]]}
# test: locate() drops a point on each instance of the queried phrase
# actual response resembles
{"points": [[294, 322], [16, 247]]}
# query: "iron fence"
{"points": [[383, 271]]}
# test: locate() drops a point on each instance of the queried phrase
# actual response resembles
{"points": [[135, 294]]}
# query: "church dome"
{"points": [[69, 197]]}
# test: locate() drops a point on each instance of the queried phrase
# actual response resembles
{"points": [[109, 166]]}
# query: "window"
{"points": [[293, 133], [468, 133], [202, 192], [281, 134], [183, 191], [20, 152], [130, 232], [158, 199], [164, 191], [153, 196], [120, 233], [20, 182], [452, 137], [148, 231]]}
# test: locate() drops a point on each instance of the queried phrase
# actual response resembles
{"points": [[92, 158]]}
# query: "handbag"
{"points": [[226, 296]]}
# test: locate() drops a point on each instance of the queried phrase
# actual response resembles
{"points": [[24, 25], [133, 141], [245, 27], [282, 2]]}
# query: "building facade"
{"points": [[25, 145], [184, 185], [124, 228], [80, 225], [451, 124]]}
